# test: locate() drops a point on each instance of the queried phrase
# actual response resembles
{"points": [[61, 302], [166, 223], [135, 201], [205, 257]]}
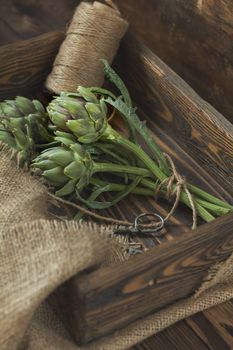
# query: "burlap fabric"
{"points": [[37, 254]]}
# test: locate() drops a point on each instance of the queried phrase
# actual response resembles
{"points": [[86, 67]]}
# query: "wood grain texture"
{"points": [[211, 329], [219, 324], [202, 132], [112, 297], [178, 337], [194, 38], [25, 65], [205, 61], [170, 102], [23, 19]]}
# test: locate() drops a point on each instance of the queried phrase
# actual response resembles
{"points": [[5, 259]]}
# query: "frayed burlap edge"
{"points": [[215, 289]]}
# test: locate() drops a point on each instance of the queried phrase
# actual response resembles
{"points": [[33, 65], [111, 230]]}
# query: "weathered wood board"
{"points": [[196, 41], [110, 298]]}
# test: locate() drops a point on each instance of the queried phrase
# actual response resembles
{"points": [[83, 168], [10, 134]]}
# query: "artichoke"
{"points": [[23, 125], [70, 166], [67, 167], [83, 114]]}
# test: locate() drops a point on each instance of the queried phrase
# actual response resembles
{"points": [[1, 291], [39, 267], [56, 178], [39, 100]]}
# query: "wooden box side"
{"points": [[194, 38], [168, 102], [110, 298], [26, 64], [171, 98]]}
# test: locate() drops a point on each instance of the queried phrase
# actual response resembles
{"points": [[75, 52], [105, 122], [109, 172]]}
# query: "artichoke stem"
{"points": [[118, 168], [115, 187], [138, 151], [115, 137], [202, 212]]}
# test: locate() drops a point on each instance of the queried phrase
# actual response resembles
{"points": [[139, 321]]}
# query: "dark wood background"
{"points": [[194, 38]]}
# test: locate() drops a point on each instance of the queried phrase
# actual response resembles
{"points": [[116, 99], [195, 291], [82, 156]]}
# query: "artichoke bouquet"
{"points": [[84, 117], [24, 127], [75, 149]]}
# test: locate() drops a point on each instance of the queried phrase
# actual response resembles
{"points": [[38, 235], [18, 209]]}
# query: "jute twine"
{"points": [[94, 33], [174, 185]]}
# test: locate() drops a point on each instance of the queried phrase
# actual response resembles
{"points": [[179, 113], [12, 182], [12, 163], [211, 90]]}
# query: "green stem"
{"points": [[129, 158], [93, 204], [103, 186], [215, 209], [184, 199], [208, 197], [139, 152], [118, 168], [135, 124], [114, 187], [115, 137], [150, 191], [113, 154], [202, 212], [125, 107]]}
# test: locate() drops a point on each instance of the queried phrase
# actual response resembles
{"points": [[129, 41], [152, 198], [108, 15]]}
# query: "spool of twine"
{"points": [[94, 33]]}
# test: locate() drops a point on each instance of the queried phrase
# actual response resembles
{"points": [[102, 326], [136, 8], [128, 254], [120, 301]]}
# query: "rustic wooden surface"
{"points": [[178, 111], [113, 297], [203, 133], [207, 69], [193, 37], [26, 64]]}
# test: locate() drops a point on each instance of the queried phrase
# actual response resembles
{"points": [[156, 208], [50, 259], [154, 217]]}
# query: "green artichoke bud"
{"points": [[22, 107], [7, 137], [24, 125], [82, 113], [67, 167]]}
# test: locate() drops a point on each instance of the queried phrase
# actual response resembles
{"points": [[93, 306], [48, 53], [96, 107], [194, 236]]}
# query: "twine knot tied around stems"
{"points": [[174, 184]]}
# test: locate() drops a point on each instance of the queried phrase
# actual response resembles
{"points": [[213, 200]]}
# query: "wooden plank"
{"points": [[178, 337], [25, 65], [29, 18], [112, 297], [28, 21], [214, 326], [173, 106], [194, 38], [7, 33], [211, 329]]}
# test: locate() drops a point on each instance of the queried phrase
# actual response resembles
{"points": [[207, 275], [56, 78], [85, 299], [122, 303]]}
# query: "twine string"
{"points": [[99, 216], [94, 33], [174, 185], [91, 213]]}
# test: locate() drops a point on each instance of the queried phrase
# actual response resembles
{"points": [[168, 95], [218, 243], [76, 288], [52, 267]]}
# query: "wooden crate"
{"points": [[198, 138]]}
